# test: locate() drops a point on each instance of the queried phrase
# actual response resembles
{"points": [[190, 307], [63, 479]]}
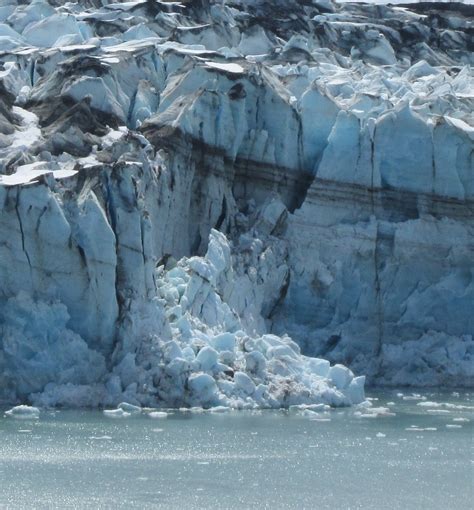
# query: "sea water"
{"points": [[420, 458]]}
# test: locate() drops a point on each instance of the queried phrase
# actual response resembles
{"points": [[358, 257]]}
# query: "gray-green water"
{"points": [[80, 459]]}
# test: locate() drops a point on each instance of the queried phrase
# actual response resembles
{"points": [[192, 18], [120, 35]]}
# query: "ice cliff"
{"points": [[196, 197]]}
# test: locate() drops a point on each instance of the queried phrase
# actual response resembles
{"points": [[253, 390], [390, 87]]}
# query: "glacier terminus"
{"points": [[236, 204]]}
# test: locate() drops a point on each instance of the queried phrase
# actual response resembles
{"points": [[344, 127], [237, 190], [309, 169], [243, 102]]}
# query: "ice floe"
{"points": [[23, 412]]}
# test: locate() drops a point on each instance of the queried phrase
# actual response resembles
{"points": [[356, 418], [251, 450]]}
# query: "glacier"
{"points": [[234, 203]]}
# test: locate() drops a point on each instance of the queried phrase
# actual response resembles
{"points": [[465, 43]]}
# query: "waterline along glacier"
{"points": [[255, 203]]}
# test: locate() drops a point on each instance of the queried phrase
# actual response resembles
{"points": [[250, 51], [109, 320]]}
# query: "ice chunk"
{"points": [[308, 413], [224, 342], [355, 391], [318, 366], [116, 413], [341, 376], [281, 351], [255, 362], [244, 383], [24, 412], [172, 350], [129, 408], [220, 409], [375, 412], [429, 404], [207, 358], [203, 387], [158, 415]]}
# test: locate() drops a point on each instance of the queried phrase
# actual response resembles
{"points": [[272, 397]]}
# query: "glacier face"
{"points": [[183, 185]]}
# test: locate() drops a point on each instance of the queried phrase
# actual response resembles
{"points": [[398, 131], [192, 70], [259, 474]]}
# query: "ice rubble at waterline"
{"points": [[196, 352]]}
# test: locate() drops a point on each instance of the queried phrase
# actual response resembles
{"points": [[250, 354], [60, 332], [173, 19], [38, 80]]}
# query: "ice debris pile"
{"points": [[332, 146], [198, 351]]}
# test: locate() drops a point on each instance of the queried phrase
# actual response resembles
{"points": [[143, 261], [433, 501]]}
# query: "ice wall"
{"points": [[331, 145]]}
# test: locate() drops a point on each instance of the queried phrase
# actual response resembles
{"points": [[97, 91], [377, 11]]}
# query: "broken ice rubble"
{"points": [[202, 354]]}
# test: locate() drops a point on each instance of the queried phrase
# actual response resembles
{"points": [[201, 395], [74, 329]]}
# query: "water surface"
{"points": [[421, 458]]}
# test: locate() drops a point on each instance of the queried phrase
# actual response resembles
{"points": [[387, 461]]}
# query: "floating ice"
{"points": [[116, 413], [220, 409], [23, 412], [129, 408], [158, 415], [429, 404], [319, 408], [374, 412], [414, 396]]}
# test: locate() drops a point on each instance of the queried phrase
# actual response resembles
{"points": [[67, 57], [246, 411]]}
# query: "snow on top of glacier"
{"points": [[28, 174], [230, 68], [190, 49], [461, 125], [123, 6], [29, 132], [193, 27]]}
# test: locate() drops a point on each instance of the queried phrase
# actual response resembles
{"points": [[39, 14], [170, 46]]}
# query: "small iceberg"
{"points": [[124, 410], [158, 415], [129, 408], [24, 412], [116, 413]]}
